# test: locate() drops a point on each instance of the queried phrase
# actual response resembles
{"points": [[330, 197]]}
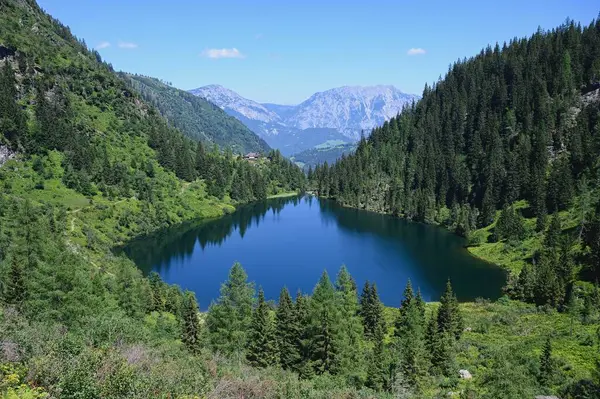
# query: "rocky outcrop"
{"points": [[5, 154]]}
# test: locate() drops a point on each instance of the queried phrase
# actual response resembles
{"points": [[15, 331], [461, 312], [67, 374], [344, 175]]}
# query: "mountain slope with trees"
{"points": [[195, 117], [92, 165], [515, 128]]}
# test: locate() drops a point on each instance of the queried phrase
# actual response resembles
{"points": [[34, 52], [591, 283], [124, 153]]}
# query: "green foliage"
{"points": [[262, 345], [229, 319], [287, 332], [449, 318], [197, 118], [510, 225], [191, 325]]}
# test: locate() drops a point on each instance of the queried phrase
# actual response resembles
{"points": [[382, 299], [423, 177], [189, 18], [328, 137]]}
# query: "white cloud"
{"points": [[416, 51], [216, 53], [127, 45], [102, 45]]}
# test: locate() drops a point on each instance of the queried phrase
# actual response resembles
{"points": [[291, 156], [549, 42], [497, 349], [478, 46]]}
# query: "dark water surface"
{"points": [[289, 241]]}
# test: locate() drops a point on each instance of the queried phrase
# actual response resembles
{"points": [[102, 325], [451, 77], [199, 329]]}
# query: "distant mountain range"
{"points": [[196, 117], [338, 114]]}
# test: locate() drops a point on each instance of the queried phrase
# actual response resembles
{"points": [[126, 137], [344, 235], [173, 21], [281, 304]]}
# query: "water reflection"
{"points": [[289, 241]]}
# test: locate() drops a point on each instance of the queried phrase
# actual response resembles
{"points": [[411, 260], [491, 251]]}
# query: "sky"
{"points": [[283, 51]]}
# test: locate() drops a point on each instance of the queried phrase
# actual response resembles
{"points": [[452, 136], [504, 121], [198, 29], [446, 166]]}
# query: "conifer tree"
{"points": [[302, 315], [324, 325], [349, 332], [449, 317], [262, 346], [377, 371], [546, 365], [15, 289], [287, 332], [407, 299], [228, 319], [157, 287], [191, 326], [366, 309]]}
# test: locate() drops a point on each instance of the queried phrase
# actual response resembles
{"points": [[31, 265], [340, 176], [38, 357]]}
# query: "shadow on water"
{"points": [[289, 241], [157, 250]]}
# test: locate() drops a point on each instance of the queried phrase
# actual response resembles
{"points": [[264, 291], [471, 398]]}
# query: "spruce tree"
{"points": [[377, 372], [449, 317], [15, 287], [546, 365], [407, 299], [228, 320], [302, 315], [324, 326], [366, 309], [191, 326], [349, 333], [287, 332], [262, 344]]}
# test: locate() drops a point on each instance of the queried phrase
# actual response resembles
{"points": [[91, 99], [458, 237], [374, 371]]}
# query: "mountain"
{"points": [[329, 152], [350, 109], [340, 114], [196, 117]]}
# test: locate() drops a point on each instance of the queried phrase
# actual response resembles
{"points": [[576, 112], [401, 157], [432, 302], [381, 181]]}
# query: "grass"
{"points": [[283, 195], [513, 256], [508, 326]]}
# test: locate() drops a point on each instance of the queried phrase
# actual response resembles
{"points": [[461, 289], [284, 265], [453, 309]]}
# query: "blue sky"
{"points": [[283, 51]]}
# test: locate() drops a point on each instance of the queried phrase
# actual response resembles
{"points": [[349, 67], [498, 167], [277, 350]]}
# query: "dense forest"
{"points": [[197, 118], [509, 134], [87, 164]]}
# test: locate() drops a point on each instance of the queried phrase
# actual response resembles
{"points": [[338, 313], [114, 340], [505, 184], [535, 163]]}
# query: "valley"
{"points": [[156, 242]]}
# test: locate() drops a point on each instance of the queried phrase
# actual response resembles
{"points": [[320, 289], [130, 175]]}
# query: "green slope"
{"points": [[197, 118]]}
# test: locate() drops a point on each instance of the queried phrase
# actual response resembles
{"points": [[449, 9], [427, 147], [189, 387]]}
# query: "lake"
{"points": [[290, 241]]}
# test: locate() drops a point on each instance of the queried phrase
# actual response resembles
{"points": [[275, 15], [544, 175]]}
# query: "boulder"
{"points": [[465, 374]]}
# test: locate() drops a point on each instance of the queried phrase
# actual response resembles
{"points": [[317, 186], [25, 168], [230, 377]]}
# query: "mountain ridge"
{"points": [[350, 110]]}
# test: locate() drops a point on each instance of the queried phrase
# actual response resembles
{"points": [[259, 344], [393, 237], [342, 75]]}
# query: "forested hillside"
{"points": [[195, 117], [87, 164], [519, 121]]}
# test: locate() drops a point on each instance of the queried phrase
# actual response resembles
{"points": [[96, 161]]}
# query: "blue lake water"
{"points": [[290, 241]]}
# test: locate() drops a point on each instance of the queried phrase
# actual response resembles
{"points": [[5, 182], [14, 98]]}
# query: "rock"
{"points": [[546, 397], [465, 374], [6, 52], [5, 154], [468, 329]]}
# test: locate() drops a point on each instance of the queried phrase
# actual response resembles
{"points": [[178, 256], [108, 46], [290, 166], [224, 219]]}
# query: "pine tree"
{"points": [[366, 309], [191, 326], [228, 320], [262, 344], [302, 314], [16, 290], [287, 332], [377, 371], [324, 325], [546, 365], [449, 317], [552, 237], [157, 287], [349, 333], [408, 297]]}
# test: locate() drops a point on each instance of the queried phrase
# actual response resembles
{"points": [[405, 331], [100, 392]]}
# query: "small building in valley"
{"points": [[252, 156]]}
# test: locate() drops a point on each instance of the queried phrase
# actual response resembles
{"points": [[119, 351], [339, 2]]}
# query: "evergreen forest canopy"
{"points": [[87, 163], [515, 128], [197, 118]]}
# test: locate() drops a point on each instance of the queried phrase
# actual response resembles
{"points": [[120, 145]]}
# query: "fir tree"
{"points": [[324, 325], [16, 290], [546, 374], [191, 326], [287, 332], [449, 317], [262, 347], [350, 330], [229, 319]]}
